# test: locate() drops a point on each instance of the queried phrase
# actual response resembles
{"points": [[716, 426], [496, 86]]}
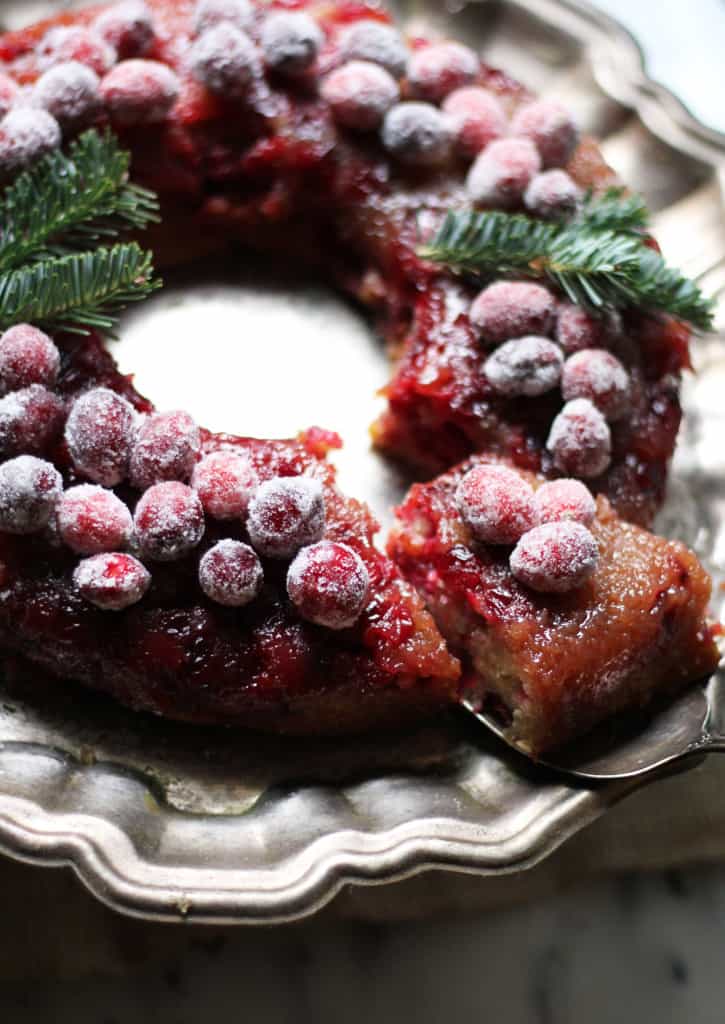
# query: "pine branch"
{"points": [[614, 210], [79, 291], [71, 201]]}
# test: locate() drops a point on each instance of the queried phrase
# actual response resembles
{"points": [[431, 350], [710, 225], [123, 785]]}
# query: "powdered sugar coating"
{"points": [[436, 70], [168, 521], [501, 174], [290, 41], [225, 482], [29, 420], [496, 503], [524, 366], [70, 92], [26, 135], [580, 440], [285, 514], [225, 60], [555, 558], [92, 520], [29, 492], [417, 134], [360, 94], [577, 329], [140, 91], [27, 356], [551, 127], [477, 116], [328, 583], [128, 27], [565, 499], [8, 93], [553, 195], [99, 433], [208, 13], [112, 581], [378, 43], [231, 574], [64, 43], [512, 309], [599, 376], [167, 446]]}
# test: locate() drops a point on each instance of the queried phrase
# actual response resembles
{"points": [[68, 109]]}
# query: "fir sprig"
{"points": [[614, 210]]}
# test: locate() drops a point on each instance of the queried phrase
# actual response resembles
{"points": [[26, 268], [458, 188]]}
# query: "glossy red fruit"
{"points": [[496, 503], [112, 581], [565, 499], [231, 574], [436, 70], [285, 514], [92, 520], [580, 440], [29, 492], [27, 356], [555, 558], [99, 433], [225, 482], [512, 309], [501, 174], [168, 521], [328, 583], [360, 94], [139, 92], [167, 446]]}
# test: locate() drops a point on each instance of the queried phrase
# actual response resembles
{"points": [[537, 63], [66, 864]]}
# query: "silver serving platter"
{"points": [[172, 822]]}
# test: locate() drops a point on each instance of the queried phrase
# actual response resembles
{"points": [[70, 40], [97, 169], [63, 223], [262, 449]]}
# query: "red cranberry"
{"points": [[378, 43], [285, 514], [112, 581], [26, 135], [501, 173], [290, 41], [27, 356], [524, 366], [577, 329], [167, 446], [74, 42], [555, 558], [231, 574], [437, 70], [512, 309], [496, 503], [477, 117], [70, 92], [565, 499], [140, 91], [92, 519], [225, 482], [128, 27], [29, 492], [360, 94], [551, 127], [225, 60], [580, 440], [99, 434], [29, 420], [417, 134], [599, 376], [212, 12], [328, 584], [8, 93], [168, 521], [553, 195]]}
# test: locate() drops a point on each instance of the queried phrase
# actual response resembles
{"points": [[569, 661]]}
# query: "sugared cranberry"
{"points": [[92, 520], [501, 173], [26, 135], [167, 446], [285, 514], [99, 434], [553, 195], [128, 27], [29, 420], [290, 41], [75, 42], [577, 329], [208, 13], [599, 376], [437, 70], [512, 309], [378, 43], [555, 558], [168, 521], [112, 581], [225, 482], [231, 574], [565, 499], [496, 503], [139, 91], [225, 60], [417, 134], [27, 356], [524, 366], [70, 92], [8, 93], [29, 492], [360, 94], [477, 116], [551, 127], [328, 583], [580, 440]]}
